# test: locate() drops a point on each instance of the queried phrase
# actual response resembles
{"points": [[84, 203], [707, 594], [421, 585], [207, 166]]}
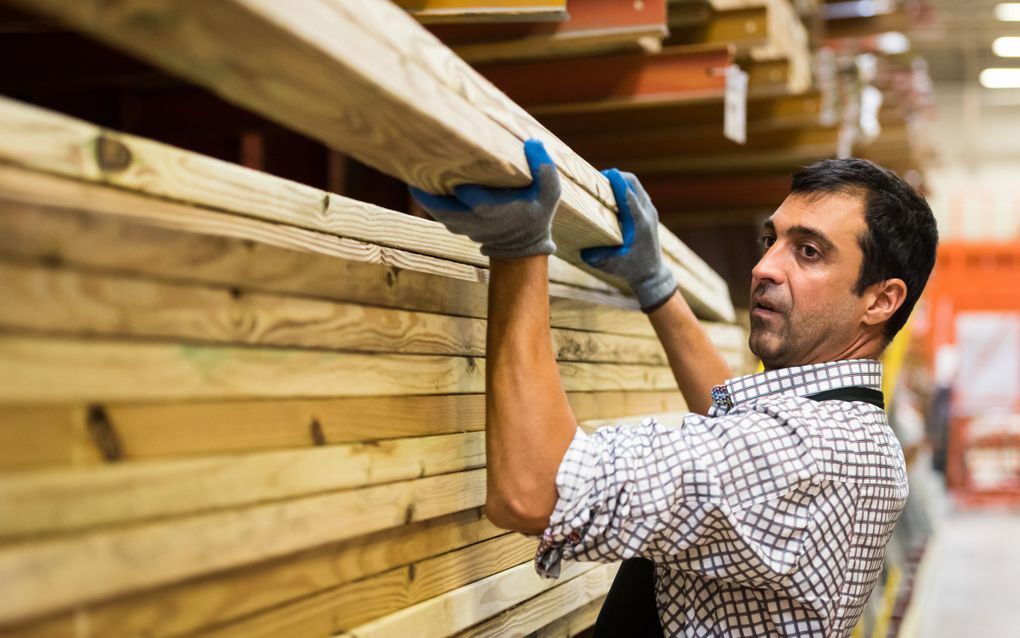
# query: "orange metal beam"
{"points": [[720, 192], [677, 74]]}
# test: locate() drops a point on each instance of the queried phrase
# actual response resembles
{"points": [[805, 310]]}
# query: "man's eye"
{"points": [[810, 252], [765, 242]]}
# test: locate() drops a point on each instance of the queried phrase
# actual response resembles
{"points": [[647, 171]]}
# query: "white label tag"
{"points": [[735, 118]]}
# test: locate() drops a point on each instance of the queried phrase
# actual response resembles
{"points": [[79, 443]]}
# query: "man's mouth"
{"points": [[762, 308]]}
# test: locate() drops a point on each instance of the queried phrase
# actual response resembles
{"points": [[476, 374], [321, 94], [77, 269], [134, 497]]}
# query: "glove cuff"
{"points": [[657, 290], [544, 246]]}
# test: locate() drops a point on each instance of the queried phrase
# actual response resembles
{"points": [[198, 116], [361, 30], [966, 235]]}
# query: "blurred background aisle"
{"points": [[970, 589]]}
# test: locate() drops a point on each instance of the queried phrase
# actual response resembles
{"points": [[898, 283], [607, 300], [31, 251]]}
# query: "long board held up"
{"points": [[363, 77]]}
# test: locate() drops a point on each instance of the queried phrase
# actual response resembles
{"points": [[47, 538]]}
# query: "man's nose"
{"points": [[770, 267]]}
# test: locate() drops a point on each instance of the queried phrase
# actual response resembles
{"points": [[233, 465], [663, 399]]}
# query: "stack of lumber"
{"points": [[771, 39], [234, 404], [215, 419]]}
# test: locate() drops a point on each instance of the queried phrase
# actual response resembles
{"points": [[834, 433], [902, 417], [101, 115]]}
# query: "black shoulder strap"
{"points": [[630, 608], [853, 393]]}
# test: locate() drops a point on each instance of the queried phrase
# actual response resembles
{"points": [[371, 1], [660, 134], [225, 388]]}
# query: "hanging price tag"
{"points": [[735, 116]]}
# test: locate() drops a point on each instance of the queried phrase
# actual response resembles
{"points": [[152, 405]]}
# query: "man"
{"points": [[767, 512]]}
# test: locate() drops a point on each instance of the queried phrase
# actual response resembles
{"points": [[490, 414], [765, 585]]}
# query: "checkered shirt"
{"points": [[769, 517]]}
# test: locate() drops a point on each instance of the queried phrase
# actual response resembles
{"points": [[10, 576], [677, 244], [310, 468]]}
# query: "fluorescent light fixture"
{"points": [[892, 43], [1006, 47], [1008, 11], [1000, 78]]}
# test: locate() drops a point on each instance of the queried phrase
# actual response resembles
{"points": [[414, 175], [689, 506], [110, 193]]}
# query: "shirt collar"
{"points": [[798, 380]]}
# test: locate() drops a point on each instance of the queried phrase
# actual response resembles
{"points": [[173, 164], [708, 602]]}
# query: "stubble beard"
{"points": [[766, 341]]}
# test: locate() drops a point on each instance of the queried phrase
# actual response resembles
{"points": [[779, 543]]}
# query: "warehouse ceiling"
{"points": [[957, 41]]}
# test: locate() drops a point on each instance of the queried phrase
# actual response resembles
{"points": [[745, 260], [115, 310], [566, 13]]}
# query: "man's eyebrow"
{"points": [[823, 240], [820, 237]]}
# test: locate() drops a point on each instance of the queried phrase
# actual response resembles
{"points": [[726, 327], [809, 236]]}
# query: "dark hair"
{"points": [[901, 238]]}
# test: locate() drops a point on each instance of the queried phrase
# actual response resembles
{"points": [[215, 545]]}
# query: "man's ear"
{"points": [[885, 298]]}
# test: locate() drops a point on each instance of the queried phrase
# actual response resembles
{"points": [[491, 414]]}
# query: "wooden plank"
{"points": [[467, 606], [59, 573], [53, 370], [360, 602], [595, 26], [127, 232], [40, 503], [52, 435], [428, 11], [58, 435], [43, 219], [224, 596], [48, 141], [57, 301], [574, 623], [569, 605], [386, 84]]}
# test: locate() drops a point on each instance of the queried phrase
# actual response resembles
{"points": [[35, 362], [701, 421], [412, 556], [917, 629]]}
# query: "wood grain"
{"points": [[44, 299], [59, 435], [319, 70], [339, 609], [35, 370], [467, 606], [232, 594], [55, 143], [570, 603], [45, 503], [55, 574], [573, 623], [385, 83], [50, 218]]}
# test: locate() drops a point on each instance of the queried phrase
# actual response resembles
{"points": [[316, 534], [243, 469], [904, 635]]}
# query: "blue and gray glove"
{"points": [[639, 260], [507, 222]]}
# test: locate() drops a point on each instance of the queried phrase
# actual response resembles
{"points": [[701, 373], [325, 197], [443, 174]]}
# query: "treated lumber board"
{"points": [[45, 300], [53, 370], [243, 253], [55, 574], [595, 26], [334, 610], [224, 596], [56, 435], [45, 140], [108, 228], [43, 218], [467, 606], [51, 435], [387, 84], [571, 603], [574, 623], [35, 504], [428, 11]]}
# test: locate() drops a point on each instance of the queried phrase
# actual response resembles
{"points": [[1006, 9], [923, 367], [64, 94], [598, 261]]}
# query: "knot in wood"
{"points": [[111, 154]]}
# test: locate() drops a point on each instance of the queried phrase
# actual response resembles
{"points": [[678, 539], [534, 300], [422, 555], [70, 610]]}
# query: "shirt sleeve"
{"points": [[706, 496]]}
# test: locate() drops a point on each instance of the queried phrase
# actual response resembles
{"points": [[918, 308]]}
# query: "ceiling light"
{"points": [[1008, 11], [1000, 78], [892, 43], [1006, 47]]}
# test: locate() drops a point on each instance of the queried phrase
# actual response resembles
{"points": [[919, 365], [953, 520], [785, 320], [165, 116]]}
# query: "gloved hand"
{"points": [[507, 222], [639, 260]]}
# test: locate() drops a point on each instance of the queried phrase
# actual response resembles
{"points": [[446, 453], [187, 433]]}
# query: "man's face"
{"points": [[803, 308]]}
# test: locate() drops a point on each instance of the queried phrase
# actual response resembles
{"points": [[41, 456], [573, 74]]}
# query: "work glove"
{"points": [[638, 261], [507, 222]]}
